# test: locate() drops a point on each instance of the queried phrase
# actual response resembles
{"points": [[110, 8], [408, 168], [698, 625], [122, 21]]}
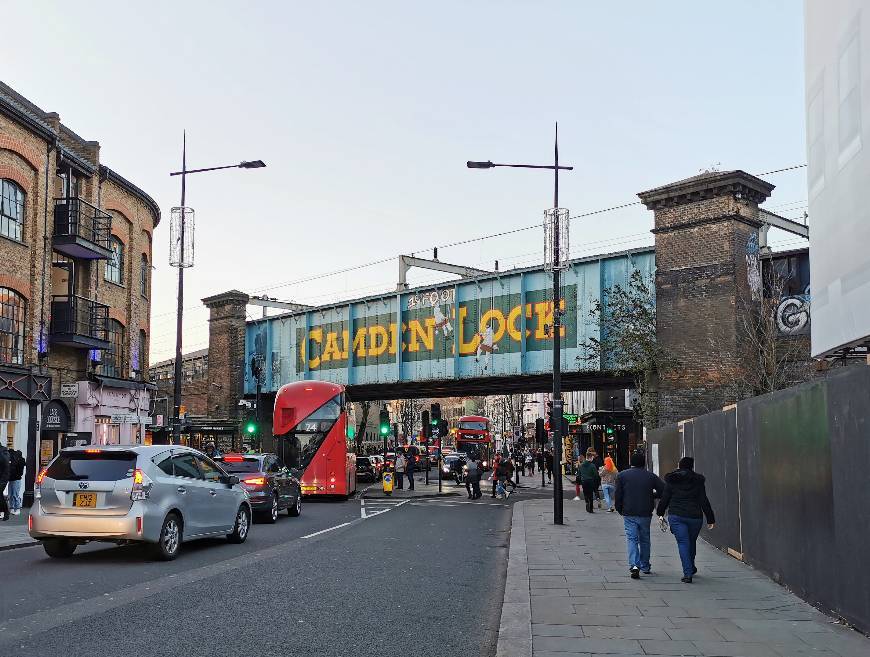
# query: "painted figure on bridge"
{"points": [[442, 321], [486, 346]]}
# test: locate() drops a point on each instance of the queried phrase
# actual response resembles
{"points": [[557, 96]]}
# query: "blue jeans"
{"points": [[410, 473], [15, 494], [637, 538], [607, 491], [686, 531]]}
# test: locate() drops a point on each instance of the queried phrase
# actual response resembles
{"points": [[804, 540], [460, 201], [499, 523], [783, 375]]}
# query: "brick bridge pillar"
{"points": [[706, 230], [226, 352]]}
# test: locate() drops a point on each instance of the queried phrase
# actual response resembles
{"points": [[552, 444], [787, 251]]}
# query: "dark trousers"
{"points": [[686, 531], [469, 487], [4, 507], [473, 488], [410, 473], [588, 493], [399, 478]]}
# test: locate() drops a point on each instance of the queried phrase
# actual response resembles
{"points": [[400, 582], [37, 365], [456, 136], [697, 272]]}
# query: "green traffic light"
{"points": [[251, 427], [384, 430], [351, 432], [609, 431]]}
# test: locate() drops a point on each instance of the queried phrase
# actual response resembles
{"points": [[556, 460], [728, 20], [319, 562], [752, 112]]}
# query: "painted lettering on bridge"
{"points": [[488, 326]]}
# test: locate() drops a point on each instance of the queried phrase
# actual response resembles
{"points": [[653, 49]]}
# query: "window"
{"points": [[102, 466], [113, 357], [143, 276], [11, 210], [209, 470], [12, 307], [115, 263], [299, 445], [184, 465], [8, 422]]}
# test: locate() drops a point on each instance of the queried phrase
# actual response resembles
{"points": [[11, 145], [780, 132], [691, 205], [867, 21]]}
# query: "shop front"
{"points": [[54, 429], [112, 412], [21, 394]]}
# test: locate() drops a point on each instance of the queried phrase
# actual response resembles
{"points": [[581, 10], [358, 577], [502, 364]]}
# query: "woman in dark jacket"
{"points": [[686, 497]]}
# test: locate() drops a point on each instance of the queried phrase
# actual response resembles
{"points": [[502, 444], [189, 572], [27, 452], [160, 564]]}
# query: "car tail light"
{"points": [[254, 481], [234, 458], [141, 485], [29, 523], [138, 524], [93, 451], [40, 476]]}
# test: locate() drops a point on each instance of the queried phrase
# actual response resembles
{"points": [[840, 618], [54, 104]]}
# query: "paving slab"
{"points": [[570, 584]]}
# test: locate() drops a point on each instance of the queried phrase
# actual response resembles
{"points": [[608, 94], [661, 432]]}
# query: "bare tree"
{"points": [[774, 332], [628, 345], [407, 411]]}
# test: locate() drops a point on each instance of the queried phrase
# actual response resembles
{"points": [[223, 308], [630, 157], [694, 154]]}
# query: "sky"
{"points": [[366, 112]]}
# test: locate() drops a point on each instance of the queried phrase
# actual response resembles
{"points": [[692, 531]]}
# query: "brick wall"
{"points": [[226, 353]]}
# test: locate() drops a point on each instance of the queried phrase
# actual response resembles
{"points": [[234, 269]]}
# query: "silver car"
{"points": [[160, 494]]}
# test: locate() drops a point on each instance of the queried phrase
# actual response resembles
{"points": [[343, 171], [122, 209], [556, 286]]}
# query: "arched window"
{"points": [[11, 210], [143, 276], [113, 357], [12, 313], [115, 263]]}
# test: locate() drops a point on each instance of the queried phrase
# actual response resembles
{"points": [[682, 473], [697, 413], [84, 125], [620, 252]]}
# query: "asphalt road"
{"points": [[421, 578]]}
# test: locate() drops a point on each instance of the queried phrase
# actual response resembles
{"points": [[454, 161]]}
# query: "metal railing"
{"points": [[75, 217], [75, 315]]}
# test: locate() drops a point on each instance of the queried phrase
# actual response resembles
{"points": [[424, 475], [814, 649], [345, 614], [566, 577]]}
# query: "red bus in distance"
{"points": [[309, 433], [474, 437]]}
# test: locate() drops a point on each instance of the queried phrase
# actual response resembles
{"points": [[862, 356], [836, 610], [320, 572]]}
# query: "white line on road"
{"points": [[323, 531]]}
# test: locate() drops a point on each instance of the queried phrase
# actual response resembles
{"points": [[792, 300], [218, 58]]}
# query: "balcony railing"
{"points": [[79, 322], [81, 230]]}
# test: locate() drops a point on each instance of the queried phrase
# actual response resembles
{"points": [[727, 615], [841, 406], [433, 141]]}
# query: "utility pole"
{"points": [[557, 359]]}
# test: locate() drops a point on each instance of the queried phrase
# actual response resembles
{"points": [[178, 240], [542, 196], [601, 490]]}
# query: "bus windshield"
{"points": [[473, 425], [299, 445]]}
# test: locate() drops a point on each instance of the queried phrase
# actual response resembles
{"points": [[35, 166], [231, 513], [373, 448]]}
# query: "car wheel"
{"points": [[243, 524], [169, 542], [295, 509], [59, 548], [271, 516]]}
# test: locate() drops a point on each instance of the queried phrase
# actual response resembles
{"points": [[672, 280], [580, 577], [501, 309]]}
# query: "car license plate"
{"points": [[85, 499], [308, 488]]}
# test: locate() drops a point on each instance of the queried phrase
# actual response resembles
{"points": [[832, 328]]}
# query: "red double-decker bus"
{"points": [[309, 428], [474, 437]]}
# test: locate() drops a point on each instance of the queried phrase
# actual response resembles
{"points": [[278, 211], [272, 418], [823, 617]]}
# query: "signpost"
{"points": [[69, 390]]}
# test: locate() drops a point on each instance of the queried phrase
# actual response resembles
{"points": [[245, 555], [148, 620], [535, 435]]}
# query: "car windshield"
{"points": [[92, 466], [232, 465], [473, 426]]}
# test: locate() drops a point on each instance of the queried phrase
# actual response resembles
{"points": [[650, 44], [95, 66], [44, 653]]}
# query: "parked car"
{"points": [[163, 495], [271, 487], [365, 468]]}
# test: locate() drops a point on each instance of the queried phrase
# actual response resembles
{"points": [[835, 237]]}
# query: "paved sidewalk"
{"points": [[448, 487], [568, 594], [13, 532]]}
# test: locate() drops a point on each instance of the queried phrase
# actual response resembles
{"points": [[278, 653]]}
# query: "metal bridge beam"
{"points": [[406, 262]]}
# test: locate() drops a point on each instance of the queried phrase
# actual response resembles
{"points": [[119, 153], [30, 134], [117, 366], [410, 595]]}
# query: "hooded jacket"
{"points": [[686, 496]]}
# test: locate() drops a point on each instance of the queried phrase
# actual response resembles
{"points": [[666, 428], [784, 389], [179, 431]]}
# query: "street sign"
{"points": [[69, 390], [124, 418]]}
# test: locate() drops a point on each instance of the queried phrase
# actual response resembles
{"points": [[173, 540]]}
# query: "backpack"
{"points": [[16, 465]]}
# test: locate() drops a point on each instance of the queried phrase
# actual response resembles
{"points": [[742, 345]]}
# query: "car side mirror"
{"points": [[230, 480]]}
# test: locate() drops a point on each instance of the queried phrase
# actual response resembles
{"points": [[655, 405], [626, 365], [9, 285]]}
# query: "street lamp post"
{"points": [[182, 264], [556, 420]]}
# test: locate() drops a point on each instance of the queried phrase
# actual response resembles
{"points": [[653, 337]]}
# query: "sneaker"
{"points": [[694, 570], [16, 512], [686, 580], [576, 498], [647, 572], [611, 510], [635, 572]]}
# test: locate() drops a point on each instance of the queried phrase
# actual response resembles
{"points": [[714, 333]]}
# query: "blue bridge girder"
{"points": [[491, 334]]}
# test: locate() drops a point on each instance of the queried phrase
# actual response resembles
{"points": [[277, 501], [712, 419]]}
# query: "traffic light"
{"points": [[540, 432], [436, 414], [384, 422], [351, 432], [609, 431], [251, 427], [396, 431], [425, 421], [442, 428]]}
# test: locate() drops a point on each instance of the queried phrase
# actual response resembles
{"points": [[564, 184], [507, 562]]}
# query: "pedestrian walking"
{"points": [[4, 479], [587, 479], [685, 499], [16, 473], [530, 462], [520, 459], [400, 470], [411, 453], [211, 450], [636, 490], [510, 470], [497, 469], [471, 472], [548, 461], [607, 473]]}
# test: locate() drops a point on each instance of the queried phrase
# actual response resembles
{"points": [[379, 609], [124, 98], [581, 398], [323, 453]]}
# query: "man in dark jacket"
{"points": [[636, 490], [4, 479], [686, 497]]}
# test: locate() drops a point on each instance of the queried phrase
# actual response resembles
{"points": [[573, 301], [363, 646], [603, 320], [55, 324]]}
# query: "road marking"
{"points": [[323, 531], [375, 507]]}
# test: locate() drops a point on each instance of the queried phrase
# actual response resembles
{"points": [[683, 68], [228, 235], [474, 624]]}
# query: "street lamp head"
{"points": [[256, 164], [479, 165]]}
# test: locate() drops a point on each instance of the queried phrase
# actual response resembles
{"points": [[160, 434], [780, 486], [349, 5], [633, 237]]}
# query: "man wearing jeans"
{"points": [[636, 490]]}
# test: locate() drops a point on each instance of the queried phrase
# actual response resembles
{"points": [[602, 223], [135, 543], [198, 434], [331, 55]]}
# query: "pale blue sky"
{"points": [[366, 112]]}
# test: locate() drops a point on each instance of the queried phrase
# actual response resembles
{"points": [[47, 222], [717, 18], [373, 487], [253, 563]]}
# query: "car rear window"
{"points": [[247, 465], [99, 466]]}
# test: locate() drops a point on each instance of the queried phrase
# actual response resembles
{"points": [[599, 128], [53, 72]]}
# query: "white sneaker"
{"points": [[16, 512], [576, 499]]}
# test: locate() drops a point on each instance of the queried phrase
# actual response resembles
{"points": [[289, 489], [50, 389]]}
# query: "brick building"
{"points": [[75, 288], [194, 384]]}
